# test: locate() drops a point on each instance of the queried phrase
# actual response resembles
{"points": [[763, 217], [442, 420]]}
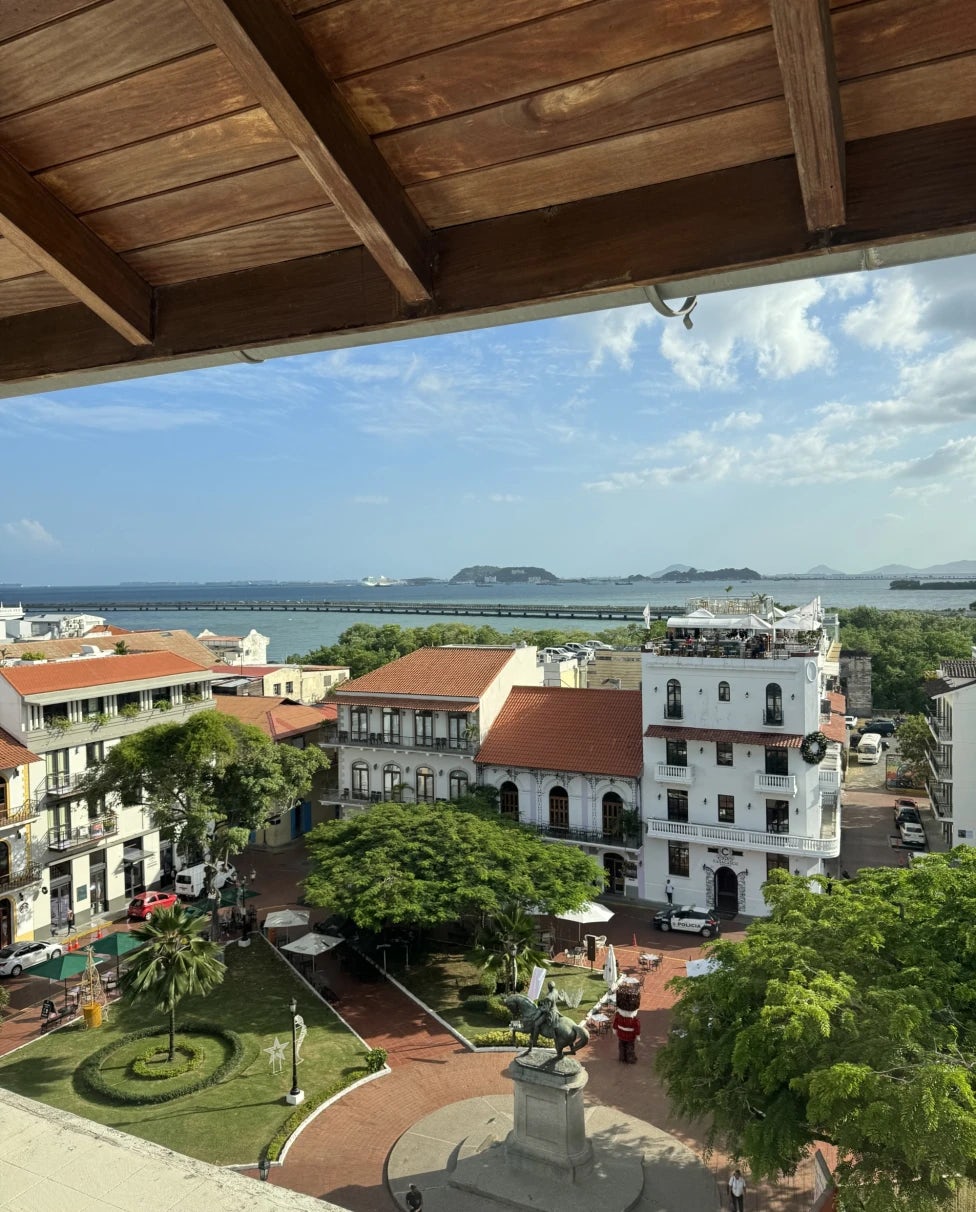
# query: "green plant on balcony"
{"points": [[193, 698], [57, 724], [97, 719], [630, 826], [129, 711], [162, 705]]}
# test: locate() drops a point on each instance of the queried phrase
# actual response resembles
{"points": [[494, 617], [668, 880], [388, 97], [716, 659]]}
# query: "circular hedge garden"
{"points": [[126, 1072]]}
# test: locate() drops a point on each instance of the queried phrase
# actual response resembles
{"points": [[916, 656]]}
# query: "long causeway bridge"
{"points": [[502, 610]]}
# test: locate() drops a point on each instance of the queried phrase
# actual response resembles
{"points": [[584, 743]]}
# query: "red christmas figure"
{"points": [[626, 1027]]}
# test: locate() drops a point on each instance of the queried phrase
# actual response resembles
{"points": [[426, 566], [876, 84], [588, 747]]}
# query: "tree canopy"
{"points": [[364, 647], [904, 645], [914, 741], [848, 1018], [207, 781], [420, 864]]}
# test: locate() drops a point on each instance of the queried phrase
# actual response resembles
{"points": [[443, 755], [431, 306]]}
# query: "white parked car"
{"points": [[18, 956], [599, 644], [850, 721], [912, 834]]}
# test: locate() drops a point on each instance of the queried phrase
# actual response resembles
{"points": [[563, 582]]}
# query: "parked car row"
{"points": [[572, 651]]}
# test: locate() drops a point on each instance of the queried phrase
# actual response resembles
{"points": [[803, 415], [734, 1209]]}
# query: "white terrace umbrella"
{"points": [[700, 967], [312, 944], [286, 919], [610, 967], [588, 913]]}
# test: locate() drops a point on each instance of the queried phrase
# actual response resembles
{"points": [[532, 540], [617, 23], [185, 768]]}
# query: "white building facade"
{"points": [[69, 714], [951, 777], [740, 776]]}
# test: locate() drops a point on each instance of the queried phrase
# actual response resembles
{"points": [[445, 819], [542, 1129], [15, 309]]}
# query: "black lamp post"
{"points": [[264, 1169], [295, 1096]]}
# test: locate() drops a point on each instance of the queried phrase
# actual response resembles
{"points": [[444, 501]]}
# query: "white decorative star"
{"points": [[277, 1054]]}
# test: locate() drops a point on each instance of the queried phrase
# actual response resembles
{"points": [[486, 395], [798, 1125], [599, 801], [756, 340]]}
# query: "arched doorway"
{"points": [[6, 923], [508, 801], [613, 865], [613, 805], [726, 891]]}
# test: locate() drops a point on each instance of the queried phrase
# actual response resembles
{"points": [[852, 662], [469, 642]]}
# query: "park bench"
{"points": [[51, 1015]]}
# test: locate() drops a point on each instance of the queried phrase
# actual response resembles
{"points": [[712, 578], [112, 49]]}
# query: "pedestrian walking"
{"points": [[70, 920], [737, 1191], [415, 1199], [669, 892]]}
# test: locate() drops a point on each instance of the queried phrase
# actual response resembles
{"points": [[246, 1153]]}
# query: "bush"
{"points": [[90, 1074], [149, 1065], [375, 1060], [277, 1142], [503, 1039], [498, 1010]]}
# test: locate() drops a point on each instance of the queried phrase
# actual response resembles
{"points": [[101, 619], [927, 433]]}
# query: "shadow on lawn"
{"points": [[31, 1076]]}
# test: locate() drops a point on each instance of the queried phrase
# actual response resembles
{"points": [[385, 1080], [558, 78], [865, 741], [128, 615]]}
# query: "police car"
{"points": [[690, 918]]}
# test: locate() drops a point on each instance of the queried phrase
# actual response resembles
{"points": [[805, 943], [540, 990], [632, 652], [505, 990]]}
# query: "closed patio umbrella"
{"points": [[610, 967]]}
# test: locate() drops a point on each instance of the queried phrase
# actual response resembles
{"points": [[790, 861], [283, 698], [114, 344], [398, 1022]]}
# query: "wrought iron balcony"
{"points": [[56, 784], [776, 784], [772, 719], [941, 764], [941, 799], [16, 816], [568, 833], [31, 874], [940, 729], [790, 843], [63, 837], [683, 775], [430, 744]]}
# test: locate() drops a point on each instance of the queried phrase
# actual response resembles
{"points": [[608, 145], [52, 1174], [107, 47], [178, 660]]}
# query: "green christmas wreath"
{"points": [[814, 748]]}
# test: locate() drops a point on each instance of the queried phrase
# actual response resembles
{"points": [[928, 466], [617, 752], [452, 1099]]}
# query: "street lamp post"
{"points": [[296, 1095]]}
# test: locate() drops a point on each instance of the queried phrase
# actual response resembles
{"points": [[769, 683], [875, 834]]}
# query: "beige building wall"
{"points": [[620, 665]]}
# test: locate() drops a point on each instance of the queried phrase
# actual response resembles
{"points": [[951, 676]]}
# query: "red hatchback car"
{"points": [[143, 906]]}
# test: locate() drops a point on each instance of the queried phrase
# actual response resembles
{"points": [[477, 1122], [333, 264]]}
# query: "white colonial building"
{"points": [[742, 738], [65, 715], [567, 763], [952, 758], [410, 730]]}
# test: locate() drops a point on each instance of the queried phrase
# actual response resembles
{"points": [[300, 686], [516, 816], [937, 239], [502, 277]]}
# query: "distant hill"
{"points": [[822, 570], [711, 574], [492, 574]]}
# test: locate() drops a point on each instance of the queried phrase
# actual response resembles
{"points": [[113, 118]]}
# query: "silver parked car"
{"points": [[18, 956]]}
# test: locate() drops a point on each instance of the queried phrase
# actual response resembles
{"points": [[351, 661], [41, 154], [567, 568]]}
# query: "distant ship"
{"points": [[378, 582]]}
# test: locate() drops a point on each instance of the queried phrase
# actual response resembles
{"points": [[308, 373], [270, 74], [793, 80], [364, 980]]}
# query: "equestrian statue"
{"points": [[544, 1019]]}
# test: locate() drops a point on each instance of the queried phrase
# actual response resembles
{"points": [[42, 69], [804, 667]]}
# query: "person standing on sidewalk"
{"points": [[669, 892], [737, 1191], [415, 1199]]}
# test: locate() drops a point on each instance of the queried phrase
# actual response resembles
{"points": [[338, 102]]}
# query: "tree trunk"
{"points": [[172, 1033]]}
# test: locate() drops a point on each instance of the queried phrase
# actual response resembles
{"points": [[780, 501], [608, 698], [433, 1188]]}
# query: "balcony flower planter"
{"points": [[130, 711], [58, 724], [162, 705], [98, 720]]}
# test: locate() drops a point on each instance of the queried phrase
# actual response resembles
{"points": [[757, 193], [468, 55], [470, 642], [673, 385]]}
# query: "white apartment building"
{"points": [[735, 713], [410, 730], [250, 649], [67, 714], [19, 768], [567, 763], [952, 758]]}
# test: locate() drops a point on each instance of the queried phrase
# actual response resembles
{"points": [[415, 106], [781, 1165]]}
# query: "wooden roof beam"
{"points": [[35, 221], [805, 49], [267, 49]]}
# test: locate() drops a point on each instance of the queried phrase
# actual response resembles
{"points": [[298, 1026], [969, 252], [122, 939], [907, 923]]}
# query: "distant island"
{"points": [[491, 574], [710, 574], [910, 584]]}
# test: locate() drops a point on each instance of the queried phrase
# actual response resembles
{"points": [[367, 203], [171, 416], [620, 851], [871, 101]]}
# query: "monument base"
{"points": [[294, 1099]]}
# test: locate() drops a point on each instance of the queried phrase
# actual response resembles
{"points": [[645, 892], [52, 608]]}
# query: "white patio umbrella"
{"points": [[312, 944], [610, 967], [589, 912], [700, 967], [286, 919]]}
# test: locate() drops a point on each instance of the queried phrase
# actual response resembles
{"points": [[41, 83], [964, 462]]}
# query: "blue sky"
{"points": [[827, 421]]}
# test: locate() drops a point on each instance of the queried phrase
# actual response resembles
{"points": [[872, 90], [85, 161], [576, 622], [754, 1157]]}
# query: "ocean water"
{"points": [[301, 632]]}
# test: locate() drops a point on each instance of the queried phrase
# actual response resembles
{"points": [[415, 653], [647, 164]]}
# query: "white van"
{"points": [[869, 749], [191, 881]]}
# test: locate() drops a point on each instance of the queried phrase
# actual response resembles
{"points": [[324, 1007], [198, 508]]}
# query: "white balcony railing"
{"points": [[780, 784], [684, 775], [790, 843], [830, 778]]}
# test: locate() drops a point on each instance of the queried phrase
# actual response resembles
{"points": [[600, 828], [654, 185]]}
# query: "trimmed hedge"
{"points": [[300, 1114], [147, 1066], [375, 1060], [503, 1039], [90, 1073]]}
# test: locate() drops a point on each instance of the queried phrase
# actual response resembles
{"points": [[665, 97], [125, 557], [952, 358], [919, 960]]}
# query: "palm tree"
{"points": [[121, 648], [507, 945], [175, 962]]}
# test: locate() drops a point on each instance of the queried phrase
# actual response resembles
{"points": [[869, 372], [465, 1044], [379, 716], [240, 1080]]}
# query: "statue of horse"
{"points": [[545, 1019]]}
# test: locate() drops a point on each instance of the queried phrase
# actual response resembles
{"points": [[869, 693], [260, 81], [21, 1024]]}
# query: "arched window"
{"points": [[613, 805], [672, 708], [508, 800], [360, 781], [457, 784], [774, 704], [425, 785], [558, 809], [4, 862], [392, 784], [724, 692]]}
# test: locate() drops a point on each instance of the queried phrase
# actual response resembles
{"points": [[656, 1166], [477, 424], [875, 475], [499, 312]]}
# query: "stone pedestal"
{"points": [[549, 1135]]}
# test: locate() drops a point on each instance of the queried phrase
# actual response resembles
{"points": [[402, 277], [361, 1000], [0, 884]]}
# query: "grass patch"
{"points": [[231, 1122], [447, 979]]}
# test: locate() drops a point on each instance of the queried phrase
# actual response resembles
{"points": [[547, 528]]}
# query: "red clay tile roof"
{"points": [[463, 673], [769, 740], [328, 711], [178, 641], [834, 728], [277, 718], [375, 700], [552, 728], [13, 753], [41, 677]]}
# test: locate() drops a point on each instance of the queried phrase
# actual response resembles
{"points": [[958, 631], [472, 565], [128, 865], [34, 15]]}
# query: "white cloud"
{"points": [[739, 420], [42, 412], [371, 500], [30, 532], [770, 329], [505, 498], [615, 334], [891, 318]]}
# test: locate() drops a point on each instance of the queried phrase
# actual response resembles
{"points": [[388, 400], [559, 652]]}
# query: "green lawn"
{"points": [[447, 978], [228, 1123]]}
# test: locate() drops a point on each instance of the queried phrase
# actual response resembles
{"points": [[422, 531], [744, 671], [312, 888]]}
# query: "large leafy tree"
{"points": [[207, 781], [176, 962], [914, 742], [419, 864], [848, 1018]]}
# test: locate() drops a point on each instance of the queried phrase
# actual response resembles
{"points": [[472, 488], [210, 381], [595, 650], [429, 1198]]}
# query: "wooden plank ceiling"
{"points": [[182, 179]]}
